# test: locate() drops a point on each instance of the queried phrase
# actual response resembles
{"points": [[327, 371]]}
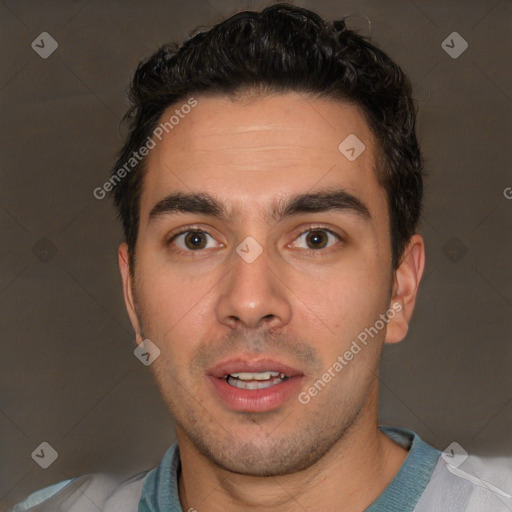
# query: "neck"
{"points": [[353, 473]]}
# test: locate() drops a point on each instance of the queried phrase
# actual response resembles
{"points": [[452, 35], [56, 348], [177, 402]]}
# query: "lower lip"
{"points": [[256, 400]]}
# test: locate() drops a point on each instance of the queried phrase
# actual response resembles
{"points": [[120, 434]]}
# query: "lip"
{"points": [[254, 400]]}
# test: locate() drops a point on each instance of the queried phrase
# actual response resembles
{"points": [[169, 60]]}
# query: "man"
{"points": [[269, 190]]}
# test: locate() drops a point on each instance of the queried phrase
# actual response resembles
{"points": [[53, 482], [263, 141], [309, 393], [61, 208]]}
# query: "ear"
{"points": [[129, 300], [406, 282]]}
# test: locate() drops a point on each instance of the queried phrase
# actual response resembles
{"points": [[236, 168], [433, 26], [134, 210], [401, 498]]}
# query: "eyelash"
{"points": [[192, 229]]}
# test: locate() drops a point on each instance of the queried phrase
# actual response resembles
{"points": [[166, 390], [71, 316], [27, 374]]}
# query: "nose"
{"points": [[253, 294]]}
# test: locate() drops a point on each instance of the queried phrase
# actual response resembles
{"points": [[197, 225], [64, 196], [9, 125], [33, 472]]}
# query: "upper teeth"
{"points": [[257, 376]]}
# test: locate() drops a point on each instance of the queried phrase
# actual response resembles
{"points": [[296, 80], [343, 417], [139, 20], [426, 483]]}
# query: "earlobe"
{"points": [[406, 283], [129, 298]]}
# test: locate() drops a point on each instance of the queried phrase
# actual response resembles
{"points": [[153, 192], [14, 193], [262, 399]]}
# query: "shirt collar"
{"points": [[406, 488]]}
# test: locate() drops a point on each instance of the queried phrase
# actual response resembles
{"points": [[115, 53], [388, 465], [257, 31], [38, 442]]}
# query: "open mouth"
{"points": [[259, 380], [246, 383]]}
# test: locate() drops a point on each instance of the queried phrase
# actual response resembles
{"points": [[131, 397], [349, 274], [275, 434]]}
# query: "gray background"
{"points": [[68, 375]]}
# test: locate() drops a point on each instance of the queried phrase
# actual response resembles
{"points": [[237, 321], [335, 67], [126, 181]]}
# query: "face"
{"points": [[278, 266]]}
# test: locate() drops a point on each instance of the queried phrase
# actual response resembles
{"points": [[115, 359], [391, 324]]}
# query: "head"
{"points": [[253, 235]]}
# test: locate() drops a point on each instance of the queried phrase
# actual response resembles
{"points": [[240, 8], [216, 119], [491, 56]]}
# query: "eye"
{"points": [[192, 240], [317, 238]]}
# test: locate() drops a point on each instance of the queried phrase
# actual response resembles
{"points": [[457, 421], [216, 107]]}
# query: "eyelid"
{"points": [[183, 229], [318, 227], [186, 229]]}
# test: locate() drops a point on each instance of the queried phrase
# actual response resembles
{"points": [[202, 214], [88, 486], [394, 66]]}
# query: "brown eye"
{"points": [[315, 239], [195, 240], [192, 240]]}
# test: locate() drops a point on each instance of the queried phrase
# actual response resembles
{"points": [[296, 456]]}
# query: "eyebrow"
{"points": [[206, 204]]}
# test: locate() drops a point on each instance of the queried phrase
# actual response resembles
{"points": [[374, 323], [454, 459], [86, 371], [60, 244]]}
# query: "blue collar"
{"points": [[160, 489], [406, 488]]}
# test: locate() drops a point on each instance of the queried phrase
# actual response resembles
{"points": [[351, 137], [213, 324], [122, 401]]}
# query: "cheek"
{"points": [[341, 303], [172, 313], [167, 296]]}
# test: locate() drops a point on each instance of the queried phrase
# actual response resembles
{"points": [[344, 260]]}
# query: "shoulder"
{"points": [[92, 492], [470, 484]]}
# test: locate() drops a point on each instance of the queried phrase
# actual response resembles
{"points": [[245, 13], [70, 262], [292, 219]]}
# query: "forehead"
{"points": [[257, 149]]}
